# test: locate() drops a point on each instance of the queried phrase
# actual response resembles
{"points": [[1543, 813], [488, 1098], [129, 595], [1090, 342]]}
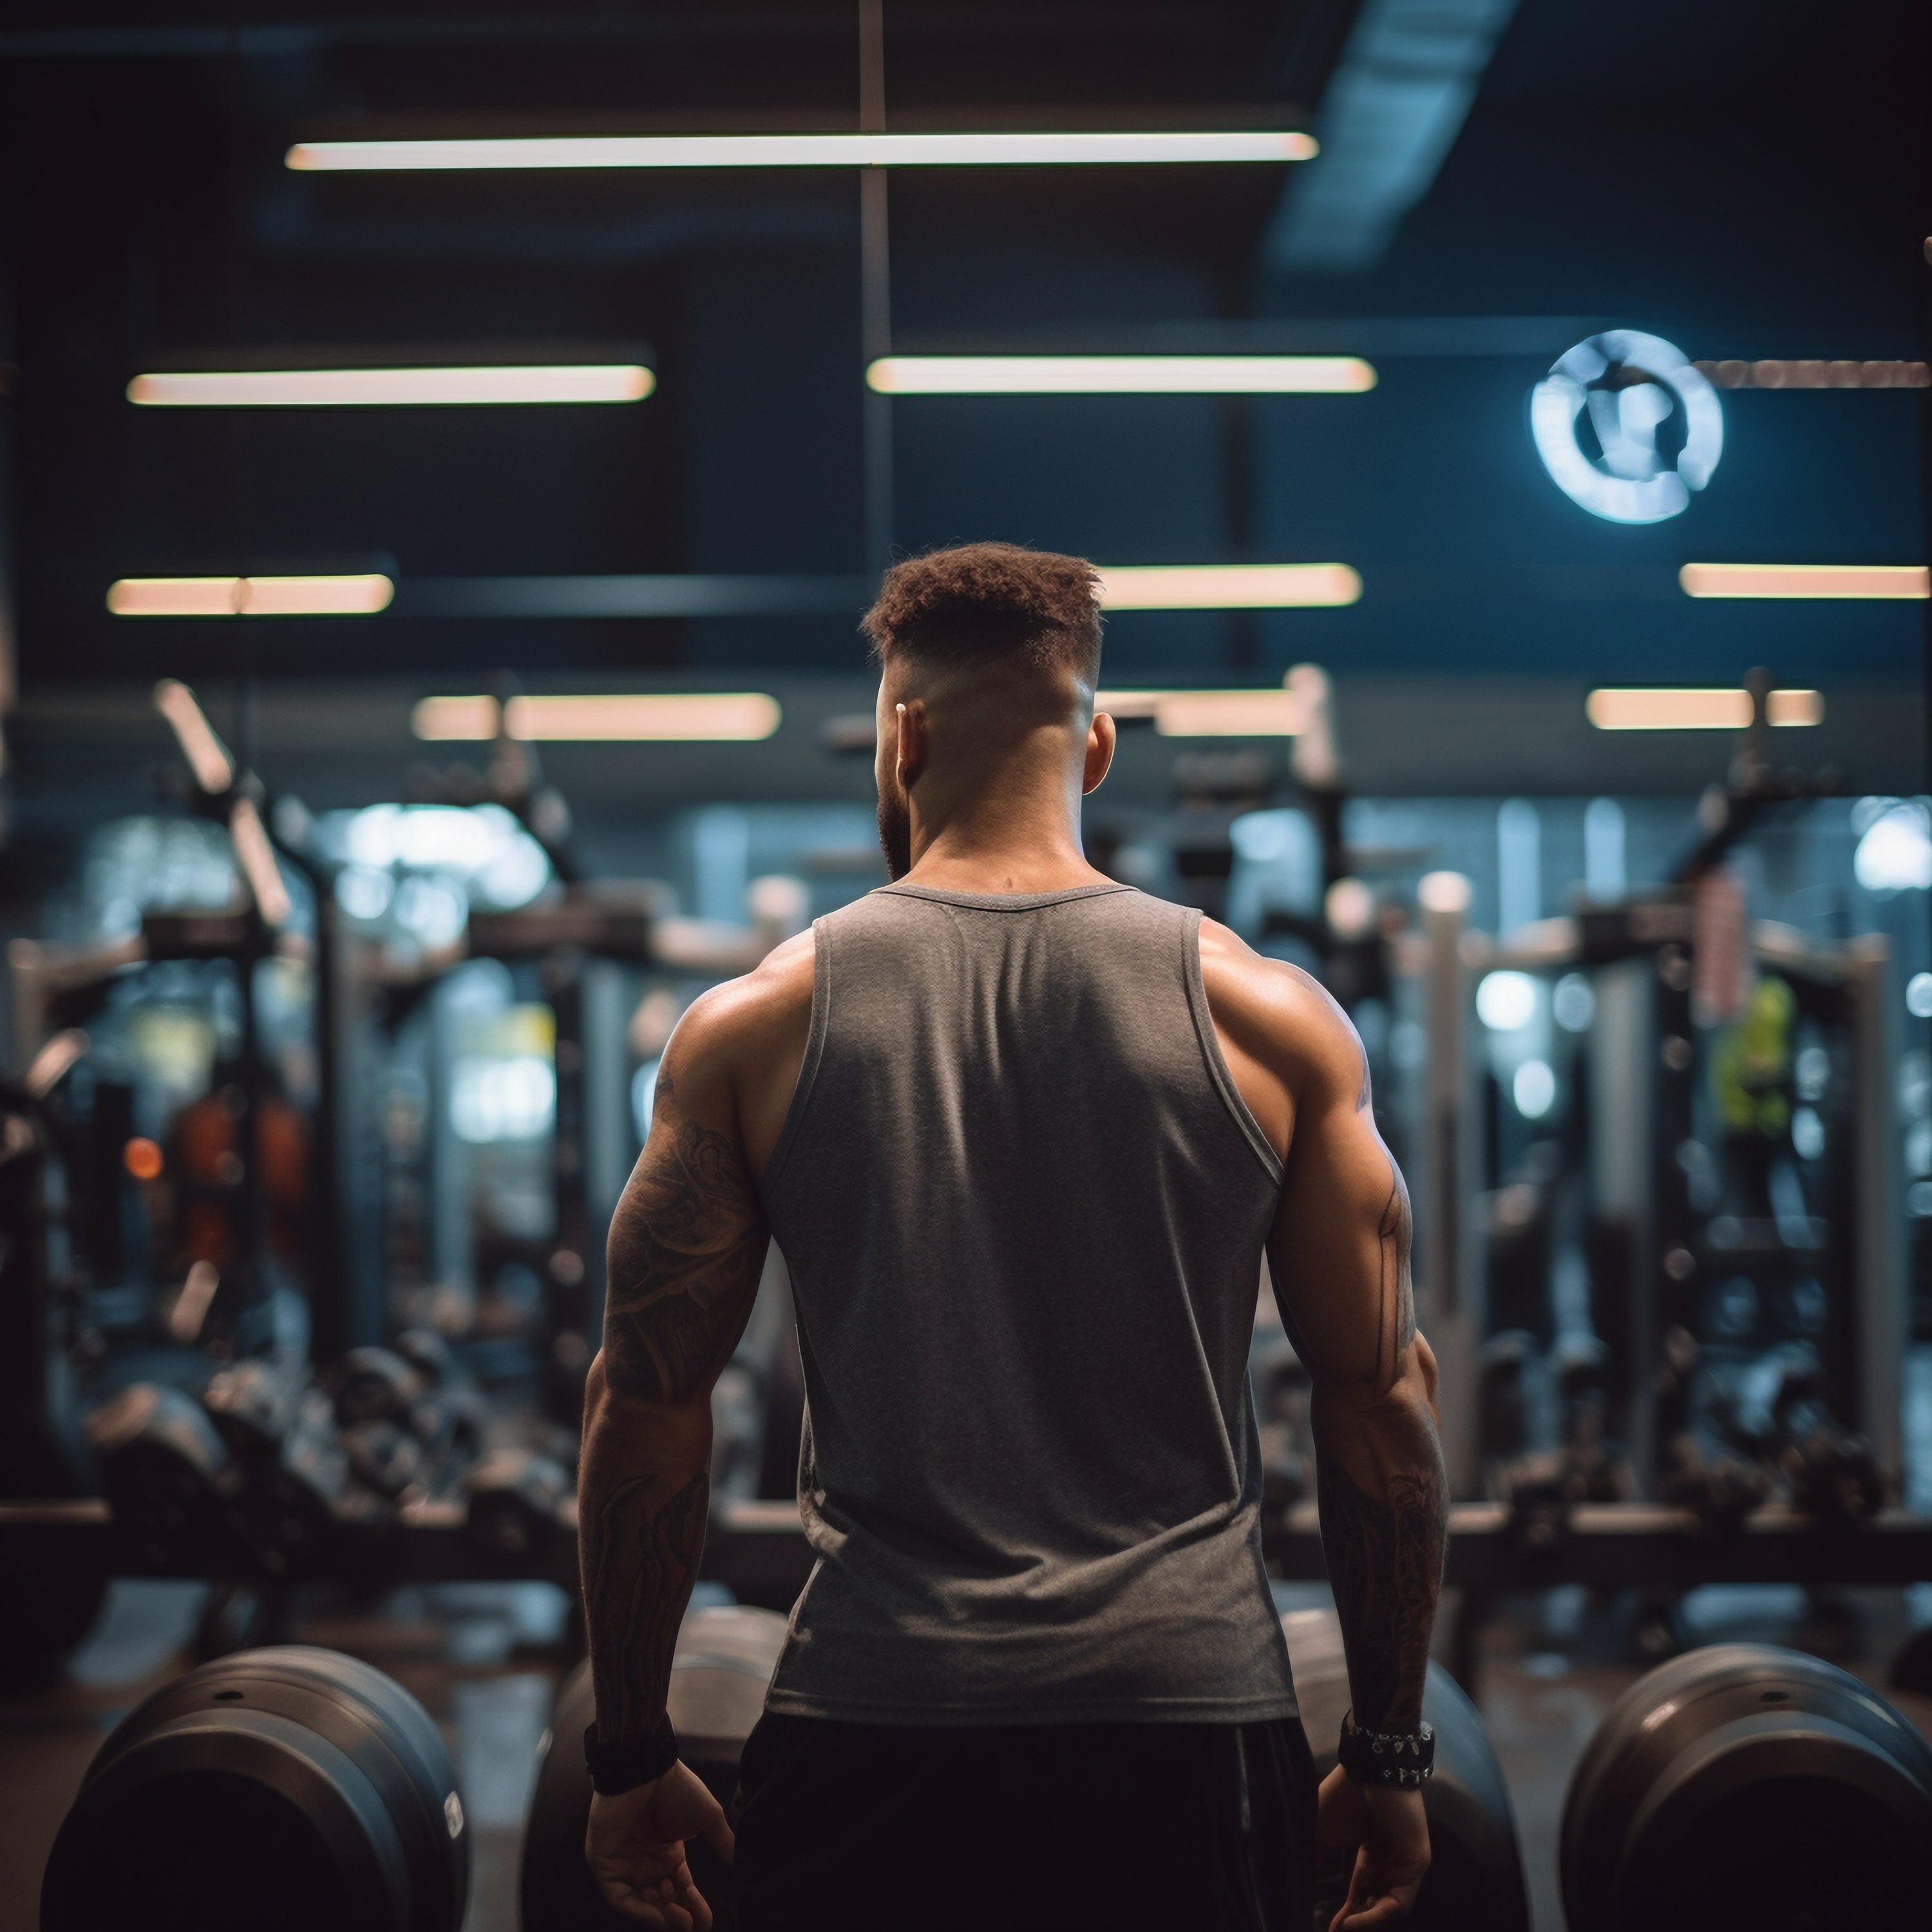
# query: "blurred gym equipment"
{"points": [[1686, 1121], [164, 1468], [725, 1660], [1746, 1785], [1699, 1472], [294, 1787]]}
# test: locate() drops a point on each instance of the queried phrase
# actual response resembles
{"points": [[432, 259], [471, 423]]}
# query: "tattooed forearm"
{"points": [[639, 1557], [687, 1245], [1385, 1556]]}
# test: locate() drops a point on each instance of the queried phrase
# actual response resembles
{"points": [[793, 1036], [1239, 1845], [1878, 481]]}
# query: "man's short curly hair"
{"points": [[991, 603]]}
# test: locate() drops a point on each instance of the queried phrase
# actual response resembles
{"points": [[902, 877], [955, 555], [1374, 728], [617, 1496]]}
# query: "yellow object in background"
{"points": [[1751, 1064]]}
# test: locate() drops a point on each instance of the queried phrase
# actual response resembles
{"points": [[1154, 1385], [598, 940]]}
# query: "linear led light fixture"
{"points": [[1265, 713], [1227, 587], [351, 596], [1806, 580], [1076, 149], [378, 388], [1120, 376], [1684, 708], [709, 717], [456, 720]]}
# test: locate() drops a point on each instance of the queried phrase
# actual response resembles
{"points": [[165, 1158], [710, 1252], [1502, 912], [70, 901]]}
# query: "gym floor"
{"points": [[483, 1658]]}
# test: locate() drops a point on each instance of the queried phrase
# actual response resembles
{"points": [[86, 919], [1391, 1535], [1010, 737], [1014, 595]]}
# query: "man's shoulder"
{"points": [[1284, 1016], [757, 1014], [1236, 975]]}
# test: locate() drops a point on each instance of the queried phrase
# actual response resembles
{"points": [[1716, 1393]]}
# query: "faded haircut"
{"points": [[991, 603]]}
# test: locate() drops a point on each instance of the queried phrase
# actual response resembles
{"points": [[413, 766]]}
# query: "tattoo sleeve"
{"points": [[640, 1557], [687, 1245], [1385, 1555]]}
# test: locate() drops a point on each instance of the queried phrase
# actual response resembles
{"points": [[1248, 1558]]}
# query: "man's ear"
{"points": [[915, 742], [1101, 739]]}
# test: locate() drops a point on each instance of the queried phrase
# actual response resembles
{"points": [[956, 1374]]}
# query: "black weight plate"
{"points": [[345, 1730], [229, 1796], [1760, 1784]]}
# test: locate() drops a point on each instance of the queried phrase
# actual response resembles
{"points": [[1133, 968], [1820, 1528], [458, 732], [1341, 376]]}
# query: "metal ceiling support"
{"points": [[290, 219], [659, 595], [1390, 115], [875, 291], [594, 27]]}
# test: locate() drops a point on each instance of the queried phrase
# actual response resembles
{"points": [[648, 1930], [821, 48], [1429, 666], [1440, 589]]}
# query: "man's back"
{"points": [[1023, 1205], [1021, 1134]]}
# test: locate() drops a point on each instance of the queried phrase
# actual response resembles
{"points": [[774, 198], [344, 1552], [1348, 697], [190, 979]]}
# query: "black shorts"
{"points": [[867, 1827]]}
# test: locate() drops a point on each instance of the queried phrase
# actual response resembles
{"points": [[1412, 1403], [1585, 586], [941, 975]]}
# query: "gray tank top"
{"points": [[1023, 1205]]}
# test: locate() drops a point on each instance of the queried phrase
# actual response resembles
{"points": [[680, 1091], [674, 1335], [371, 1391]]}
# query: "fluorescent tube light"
{"points": [[1806, 580], [338, 389], [1132, 587], [1266, 713], [805, 151], [1689, 709], [635, 717], [1119, 375], [360, 595], [741, 715], [456, 719], [1227, 587]]}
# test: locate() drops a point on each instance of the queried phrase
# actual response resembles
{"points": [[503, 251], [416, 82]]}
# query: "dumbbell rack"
{"points": [[759, 1550], [751, 1546], [1496, 1551]]}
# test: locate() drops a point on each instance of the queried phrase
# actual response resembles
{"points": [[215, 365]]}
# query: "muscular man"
{"points": [[1022, 1135]]}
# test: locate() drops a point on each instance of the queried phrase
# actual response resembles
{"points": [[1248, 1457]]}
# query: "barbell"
{"points": [[724, 1661]]}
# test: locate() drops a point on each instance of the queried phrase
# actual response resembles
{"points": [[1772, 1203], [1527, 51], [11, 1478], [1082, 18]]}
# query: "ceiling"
{"points": [[1748, 177]]}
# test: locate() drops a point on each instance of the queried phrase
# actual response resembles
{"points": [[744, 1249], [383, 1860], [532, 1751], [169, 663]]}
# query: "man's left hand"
{"points": [[1388, 1830], [635, 1847]]}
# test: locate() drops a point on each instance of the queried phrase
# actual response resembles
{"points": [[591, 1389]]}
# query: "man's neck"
{"points": [[954, 862]]}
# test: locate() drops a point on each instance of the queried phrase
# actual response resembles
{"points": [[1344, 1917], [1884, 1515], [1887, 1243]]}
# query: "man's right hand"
{"points": [[635, 1846], [1388, 1832]]}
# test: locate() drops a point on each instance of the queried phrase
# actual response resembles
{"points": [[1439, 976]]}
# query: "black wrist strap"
{"points": [[1406, 1759], [615, 1769]]}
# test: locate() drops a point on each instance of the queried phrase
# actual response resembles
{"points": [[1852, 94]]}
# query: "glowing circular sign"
{"points": [[1627, 427]]}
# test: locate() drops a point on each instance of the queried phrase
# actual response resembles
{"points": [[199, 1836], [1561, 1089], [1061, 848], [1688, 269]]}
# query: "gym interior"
{"points": [[445, 452]]}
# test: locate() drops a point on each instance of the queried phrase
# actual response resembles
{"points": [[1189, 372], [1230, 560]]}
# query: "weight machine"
{"points": [[89, 1300], [1694, 1186]]}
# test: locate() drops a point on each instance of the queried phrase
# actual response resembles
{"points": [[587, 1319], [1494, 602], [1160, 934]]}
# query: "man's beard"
{"points": [[895, 836]]}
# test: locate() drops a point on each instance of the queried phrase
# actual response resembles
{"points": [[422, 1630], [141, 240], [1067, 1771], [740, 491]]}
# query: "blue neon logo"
{"points": [[1627, 427]]}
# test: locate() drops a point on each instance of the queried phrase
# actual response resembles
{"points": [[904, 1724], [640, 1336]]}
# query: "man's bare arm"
{"points": [[687, 1245], [1340, 1258]]}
